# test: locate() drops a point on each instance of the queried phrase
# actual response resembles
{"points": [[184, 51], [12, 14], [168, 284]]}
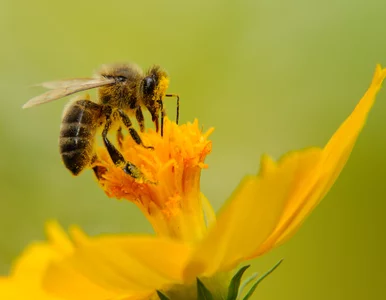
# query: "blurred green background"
{"points": [[270, 76]]}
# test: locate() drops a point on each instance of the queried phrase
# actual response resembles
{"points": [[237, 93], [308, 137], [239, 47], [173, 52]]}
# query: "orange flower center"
{"points": [[169, 192]]}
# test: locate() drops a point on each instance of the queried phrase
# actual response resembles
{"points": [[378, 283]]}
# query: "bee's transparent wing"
{"points": [[65, 83], [63, 88]]}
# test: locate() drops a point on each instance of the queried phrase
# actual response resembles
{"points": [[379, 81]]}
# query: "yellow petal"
{"points": [[25, 281], [335, 156], [78, 236], [250, 215], [33, 262], [210, 215], [58, 237], [267, 164], [11, 289], [304, 189], [120, 266]]}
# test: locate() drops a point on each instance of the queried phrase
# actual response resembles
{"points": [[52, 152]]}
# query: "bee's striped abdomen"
{"points": [[77, 134]]}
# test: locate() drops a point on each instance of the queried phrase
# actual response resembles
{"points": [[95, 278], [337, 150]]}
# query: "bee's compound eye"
{"points": [[148, 85], [121, 78]]}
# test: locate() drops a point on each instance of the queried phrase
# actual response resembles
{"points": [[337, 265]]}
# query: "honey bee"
{"points": [[123, 90]]}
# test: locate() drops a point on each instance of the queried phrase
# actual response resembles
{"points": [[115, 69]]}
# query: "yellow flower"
{"points": [[262, 213], [25, 281]]}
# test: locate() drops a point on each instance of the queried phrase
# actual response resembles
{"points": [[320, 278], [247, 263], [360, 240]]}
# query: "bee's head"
{"points": [[153, 88]]}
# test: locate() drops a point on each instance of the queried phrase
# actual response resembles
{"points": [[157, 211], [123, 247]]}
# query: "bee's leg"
{"points": [[163, 114], [134, 134], [178, 105], [120, 137], [140, 119], [155, 120], [116, 156], [98, 170]]}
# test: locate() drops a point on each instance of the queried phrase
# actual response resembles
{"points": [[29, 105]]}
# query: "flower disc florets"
{"points": [[169, 192]]}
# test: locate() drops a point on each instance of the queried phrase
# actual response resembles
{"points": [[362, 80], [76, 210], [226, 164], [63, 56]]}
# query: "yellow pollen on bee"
{"points": [[161, 89]]}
